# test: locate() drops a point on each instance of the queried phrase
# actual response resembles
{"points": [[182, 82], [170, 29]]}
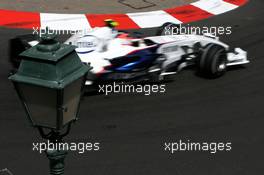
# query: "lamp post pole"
{"points": [[56, 158], [56, 155]]}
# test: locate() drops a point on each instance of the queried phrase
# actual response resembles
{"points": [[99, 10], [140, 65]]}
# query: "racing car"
{"points": [[118, 56]]}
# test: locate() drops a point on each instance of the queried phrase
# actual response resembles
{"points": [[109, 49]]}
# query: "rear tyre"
{"points": [[213, 61], [18, 45], [168, 28]]}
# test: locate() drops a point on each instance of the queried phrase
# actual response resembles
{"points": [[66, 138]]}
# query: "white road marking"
{"points": [[152, 19], [64, 21], [215, 7]]}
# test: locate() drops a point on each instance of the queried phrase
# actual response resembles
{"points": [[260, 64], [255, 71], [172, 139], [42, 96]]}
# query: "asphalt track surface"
{"points": [[133, 128]]}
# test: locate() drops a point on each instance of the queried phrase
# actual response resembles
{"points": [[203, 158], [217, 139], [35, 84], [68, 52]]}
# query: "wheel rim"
{"points": [[221, 63], [222, 67]]}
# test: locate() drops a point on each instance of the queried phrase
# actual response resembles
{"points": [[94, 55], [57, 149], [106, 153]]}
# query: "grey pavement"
{"points": [[90, 6]]}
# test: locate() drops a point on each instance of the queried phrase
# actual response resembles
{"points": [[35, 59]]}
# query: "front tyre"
{"points": [[213, 61]]}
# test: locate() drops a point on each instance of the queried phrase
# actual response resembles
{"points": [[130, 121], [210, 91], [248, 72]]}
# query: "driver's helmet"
{"points": [[111, 23]]}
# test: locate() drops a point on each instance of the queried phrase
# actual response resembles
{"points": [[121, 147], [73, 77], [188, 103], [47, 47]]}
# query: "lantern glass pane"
{"points": [[41, 103], [72, 95]]}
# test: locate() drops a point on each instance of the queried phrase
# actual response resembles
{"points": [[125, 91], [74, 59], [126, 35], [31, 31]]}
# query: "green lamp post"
{"points": [[49, 83]]}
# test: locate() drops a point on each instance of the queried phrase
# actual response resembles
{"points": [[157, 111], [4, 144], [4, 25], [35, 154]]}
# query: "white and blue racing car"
{"points": [[116, 56]]}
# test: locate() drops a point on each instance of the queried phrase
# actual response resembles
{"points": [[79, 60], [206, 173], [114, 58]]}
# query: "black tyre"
{"points": [[137, 35], [168, 29], [18, 45], [213, 61], [155, 71], [155, 76]]}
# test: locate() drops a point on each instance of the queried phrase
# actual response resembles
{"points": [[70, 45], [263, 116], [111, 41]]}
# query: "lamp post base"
{"points": [[56, 158]]}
